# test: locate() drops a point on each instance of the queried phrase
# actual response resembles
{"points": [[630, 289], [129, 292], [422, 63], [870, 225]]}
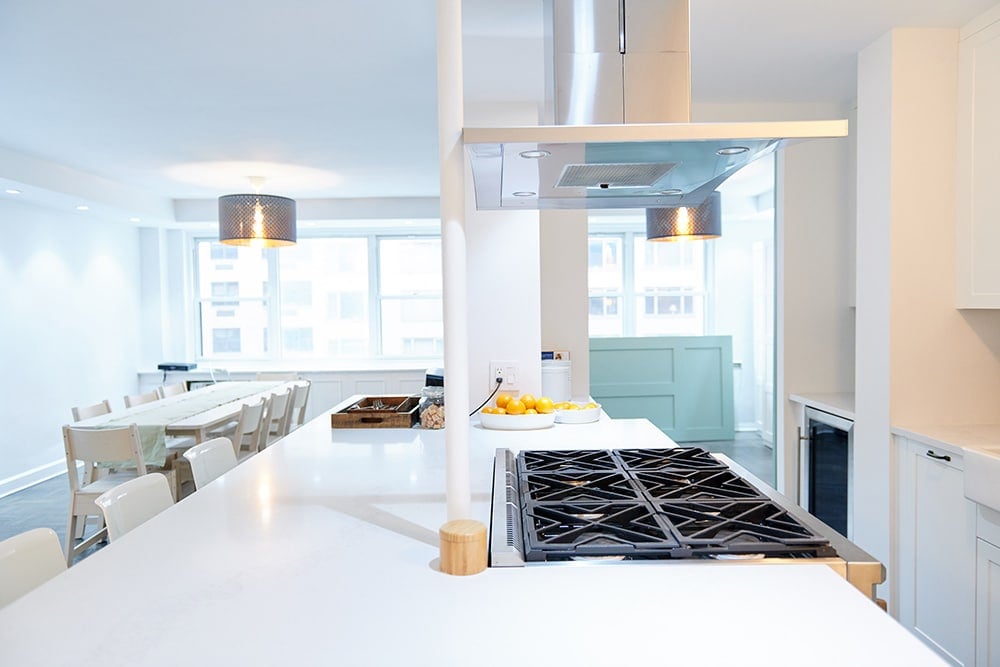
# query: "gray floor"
{"points": [[46, 504], [42, 505], [748, 450]]}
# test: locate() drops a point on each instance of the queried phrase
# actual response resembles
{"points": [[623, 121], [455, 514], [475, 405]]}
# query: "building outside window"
{"points": [[637, 288], [361, 295]]}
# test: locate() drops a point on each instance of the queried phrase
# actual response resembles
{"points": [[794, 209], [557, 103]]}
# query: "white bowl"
{"points": [[582, 416], [516, 422]]}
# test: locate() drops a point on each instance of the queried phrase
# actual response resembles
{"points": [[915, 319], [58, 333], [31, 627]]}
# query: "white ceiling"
{"points": [[147, 102]]}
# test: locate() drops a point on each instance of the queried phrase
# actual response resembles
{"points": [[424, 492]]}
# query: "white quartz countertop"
{"points": [[952, 438], [323, 550]]}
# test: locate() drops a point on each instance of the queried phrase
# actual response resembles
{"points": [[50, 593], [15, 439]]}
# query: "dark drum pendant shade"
{"points": [[264, 221], [682, 223]]}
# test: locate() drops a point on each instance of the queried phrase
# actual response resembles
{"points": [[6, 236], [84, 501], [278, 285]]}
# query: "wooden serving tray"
{"points": [[378, 412]]}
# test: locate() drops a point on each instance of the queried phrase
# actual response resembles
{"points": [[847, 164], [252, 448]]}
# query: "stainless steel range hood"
{"points": [[621, 80]]}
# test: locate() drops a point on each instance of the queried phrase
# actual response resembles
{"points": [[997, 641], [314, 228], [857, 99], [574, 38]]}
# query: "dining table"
{"points": [[192, 413]]}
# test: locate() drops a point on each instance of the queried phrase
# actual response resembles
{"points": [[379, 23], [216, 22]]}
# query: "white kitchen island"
{"points": [[322, 550]]}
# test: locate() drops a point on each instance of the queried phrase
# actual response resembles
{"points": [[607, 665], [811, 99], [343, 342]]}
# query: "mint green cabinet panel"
{"points": [[683, 384]]}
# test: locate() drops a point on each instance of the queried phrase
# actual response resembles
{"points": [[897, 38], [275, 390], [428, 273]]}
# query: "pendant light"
{"points": [[684, 222], [256, 220]]}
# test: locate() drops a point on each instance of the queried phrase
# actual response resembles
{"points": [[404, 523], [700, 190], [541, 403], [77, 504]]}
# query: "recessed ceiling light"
{"points": [[135, 219], [524, 193], [83, 207], [12, 191], [534, 155], [732, 150]]}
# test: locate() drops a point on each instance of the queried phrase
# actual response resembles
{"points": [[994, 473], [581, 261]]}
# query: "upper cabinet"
{"points": [[978, 186]]}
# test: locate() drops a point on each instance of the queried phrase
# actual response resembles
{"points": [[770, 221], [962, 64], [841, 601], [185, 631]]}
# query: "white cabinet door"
{"points": [[978, 234], [937, 551], [987, 605]]}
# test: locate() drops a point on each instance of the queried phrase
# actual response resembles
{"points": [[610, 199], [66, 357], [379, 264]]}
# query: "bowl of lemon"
{"points": [[518, 413], [571, 412]]}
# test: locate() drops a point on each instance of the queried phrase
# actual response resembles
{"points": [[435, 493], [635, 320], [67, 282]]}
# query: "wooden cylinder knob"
{"points": [[463, 547]]}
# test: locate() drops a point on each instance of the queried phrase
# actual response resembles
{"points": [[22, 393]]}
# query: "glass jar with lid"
{"points": [[432, 407]]}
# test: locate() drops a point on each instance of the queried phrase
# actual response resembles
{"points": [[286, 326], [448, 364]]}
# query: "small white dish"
{"points": [[516, 422], [581, 416]]}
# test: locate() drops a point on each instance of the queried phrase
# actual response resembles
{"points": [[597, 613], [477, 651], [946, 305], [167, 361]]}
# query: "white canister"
{"points": [[557, 376]]}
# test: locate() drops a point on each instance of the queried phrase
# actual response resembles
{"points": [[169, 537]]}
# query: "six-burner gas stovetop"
{"points": [[641, 504]]}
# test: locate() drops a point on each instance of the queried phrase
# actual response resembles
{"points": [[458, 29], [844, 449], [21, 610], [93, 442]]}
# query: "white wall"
{"points": [[564, 301], [69, 295], [167, 325]]}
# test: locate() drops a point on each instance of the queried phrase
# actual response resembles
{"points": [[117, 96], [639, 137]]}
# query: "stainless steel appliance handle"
{"points": [[939, 457]]}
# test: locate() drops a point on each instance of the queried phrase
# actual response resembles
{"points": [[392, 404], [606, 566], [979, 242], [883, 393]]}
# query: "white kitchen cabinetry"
{"points": [[978, 234], [987, 604], [936, 577]]}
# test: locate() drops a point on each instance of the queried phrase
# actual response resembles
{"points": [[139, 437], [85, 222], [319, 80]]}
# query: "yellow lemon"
{"points": [[515, 407], [544, 405], [502, 400], [487, 410], [528, 400], [531, 411]]}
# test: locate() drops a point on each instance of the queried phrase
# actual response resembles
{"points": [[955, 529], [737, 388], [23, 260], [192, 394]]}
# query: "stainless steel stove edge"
{"points": [[862, 570], [506, 538]]}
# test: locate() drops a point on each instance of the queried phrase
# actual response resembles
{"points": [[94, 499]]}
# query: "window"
{"points": [[638, 288], [410, 306], [225, 340], [362, 295], [223, 251]]}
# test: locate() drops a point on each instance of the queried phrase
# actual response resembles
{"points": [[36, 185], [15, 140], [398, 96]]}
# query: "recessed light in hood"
{"points": [[621, 86]]}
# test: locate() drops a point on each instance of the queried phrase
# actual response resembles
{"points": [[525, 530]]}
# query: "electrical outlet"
{"points": [[508, 371]]}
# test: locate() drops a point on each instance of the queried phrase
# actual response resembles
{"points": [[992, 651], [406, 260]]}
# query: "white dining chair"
{"points": [[171, 389], [134, 502], [279, 416], [141, 399], [299, 401], [27, 561], [94, 447], [88, 411], [210, 460], [250, 429]]}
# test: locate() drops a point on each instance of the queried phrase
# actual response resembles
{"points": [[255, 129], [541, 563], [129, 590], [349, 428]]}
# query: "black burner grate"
{"points": [[568, 461], [696, 484], [563, 487], [568, 530], [740, 526], [678, 457], [650, 503]]}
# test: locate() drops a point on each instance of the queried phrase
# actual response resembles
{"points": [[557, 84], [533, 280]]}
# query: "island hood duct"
{"points": [[621, 79]]}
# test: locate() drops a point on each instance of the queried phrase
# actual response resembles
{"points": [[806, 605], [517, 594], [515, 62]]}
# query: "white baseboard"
{"points": [[31, 477]]}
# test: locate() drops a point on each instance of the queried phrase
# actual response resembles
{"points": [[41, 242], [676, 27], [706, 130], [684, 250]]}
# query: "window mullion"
{"points": [[629, 296], [273, 306], [374, 294]]}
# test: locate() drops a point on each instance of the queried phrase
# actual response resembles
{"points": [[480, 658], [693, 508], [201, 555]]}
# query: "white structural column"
{"points": [[453, 250]]}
